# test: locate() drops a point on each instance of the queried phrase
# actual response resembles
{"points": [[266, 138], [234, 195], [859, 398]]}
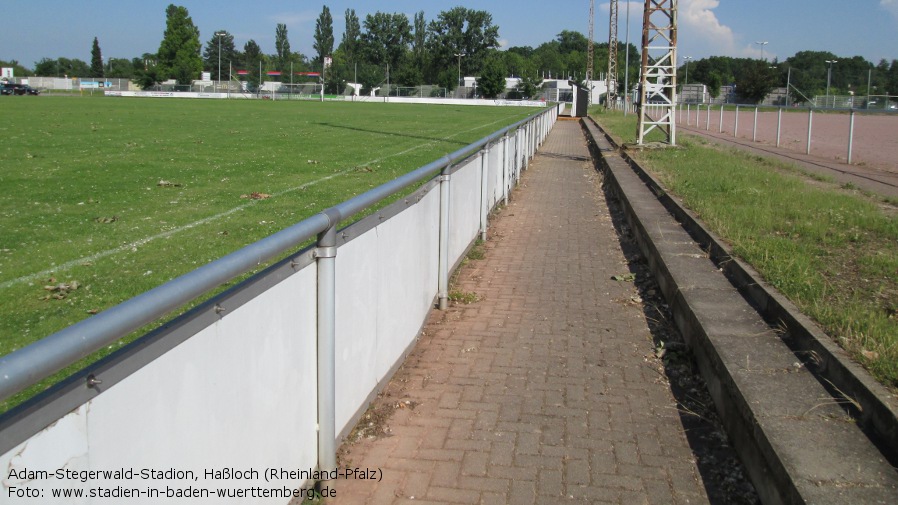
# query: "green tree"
{"points": [[570, 41], [880, 83], [96, 60], [853, 74], [514, 62], [722, 66], [146, 71], [531, 82], [370, 76], [549, 60], [809, 72], [418, 57], [892, 87], [229, 57], [179, 53], [409, 73], [756, 80], [713, 82], [338, 74], [324, 35], [461, 31], [119, 68], [282, 46], [386, 39], [253, 57], [492, 78], [523, 51], [62, 67], [47, 68], [351, 37]]}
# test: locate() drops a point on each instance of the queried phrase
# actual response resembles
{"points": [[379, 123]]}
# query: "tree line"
{"points": [[381, 48], [807, 73], [392, 48]]}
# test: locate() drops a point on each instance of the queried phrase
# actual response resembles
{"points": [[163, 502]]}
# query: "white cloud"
{"points": [[698, 25], [891, 6], [702, 32]]}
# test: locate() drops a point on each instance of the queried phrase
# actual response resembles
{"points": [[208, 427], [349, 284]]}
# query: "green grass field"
{"points": [[110, 197], [832, 251]]}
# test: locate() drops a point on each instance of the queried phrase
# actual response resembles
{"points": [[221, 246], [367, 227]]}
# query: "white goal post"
{"points": [[302, 91]]}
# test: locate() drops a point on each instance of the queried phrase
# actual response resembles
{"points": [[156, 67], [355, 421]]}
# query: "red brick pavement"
{"points": [[540, 391]]}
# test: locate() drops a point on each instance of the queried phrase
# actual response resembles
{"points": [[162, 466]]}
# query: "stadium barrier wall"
{"points": [[250, 392]]}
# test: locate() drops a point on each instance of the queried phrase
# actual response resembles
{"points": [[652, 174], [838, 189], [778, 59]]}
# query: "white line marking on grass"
{"points": [[143, 241], [138, 243]]}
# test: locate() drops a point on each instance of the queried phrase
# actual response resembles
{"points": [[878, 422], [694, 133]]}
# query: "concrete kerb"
{"points": [[878, 407], [778, 477]]}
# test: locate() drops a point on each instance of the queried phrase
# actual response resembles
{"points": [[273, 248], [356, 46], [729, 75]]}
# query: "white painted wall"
{"points": [[239, 394]]}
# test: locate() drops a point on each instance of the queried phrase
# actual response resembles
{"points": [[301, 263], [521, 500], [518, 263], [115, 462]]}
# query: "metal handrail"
{"points": [[31, 364]]}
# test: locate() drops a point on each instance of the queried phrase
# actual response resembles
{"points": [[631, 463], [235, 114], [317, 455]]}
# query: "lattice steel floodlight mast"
{"points": [[611, 78], [590, 50], [658, 78]]}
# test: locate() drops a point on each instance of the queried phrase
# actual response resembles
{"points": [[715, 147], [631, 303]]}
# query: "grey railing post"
{"points": [[531, 127], [484, 186], [754, 129], [506, 176], [542, 129], [779, 125], [810, 124], [325, 255], [443, 264], [850, 136], [708, 118], [720, 123], [526, 147], [513, 158], [531, 137], [736, 124], [534, 132]]}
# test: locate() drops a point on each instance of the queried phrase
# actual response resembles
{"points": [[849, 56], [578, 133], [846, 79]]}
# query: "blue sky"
{"points": [[35, 29]]}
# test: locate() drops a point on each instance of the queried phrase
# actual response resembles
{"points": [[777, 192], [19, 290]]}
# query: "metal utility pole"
{"points": [[459, 56], [219, 35], [762, 43], [590, 50], [627, 94], [658, 78], [611, 78], [829, 76]]}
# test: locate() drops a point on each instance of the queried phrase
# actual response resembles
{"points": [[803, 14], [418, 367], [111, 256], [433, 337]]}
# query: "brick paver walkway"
{"points": [[540, 391]]}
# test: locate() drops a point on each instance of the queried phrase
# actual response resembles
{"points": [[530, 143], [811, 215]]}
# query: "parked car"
{"points": [[18, 89]]}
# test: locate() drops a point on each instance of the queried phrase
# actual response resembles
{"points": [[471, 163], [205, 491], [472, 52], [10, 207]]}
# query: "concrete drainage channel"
{"points": [[810, 425]]}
